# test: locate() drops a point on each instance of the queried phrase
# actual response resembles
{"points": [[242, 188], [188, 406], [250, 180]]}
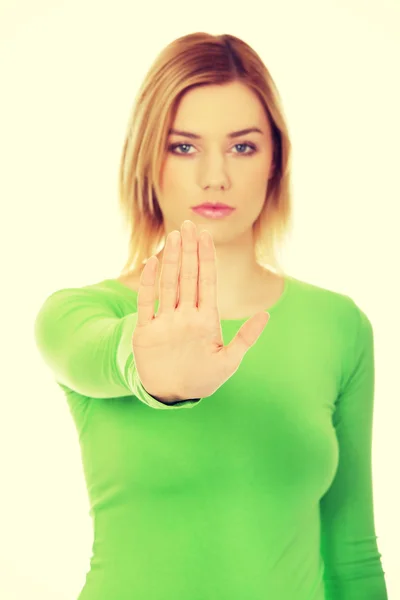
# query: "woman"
{"points": [[262, 489]]}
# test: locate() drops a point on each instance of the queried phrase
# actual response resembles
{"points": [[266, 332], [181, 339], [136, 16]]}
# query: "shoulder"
{"points": [[329, 310], [130, 280], [337, 320], [328, 298]]}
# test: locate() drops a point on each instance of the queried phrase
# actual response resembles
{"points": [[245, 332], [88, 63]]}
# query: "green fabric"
{"points": [[262, 491]]}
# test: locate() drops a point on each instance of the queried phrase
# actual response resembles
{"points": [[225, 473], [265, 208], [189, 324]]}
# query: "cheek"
{"points": [[260, 170], [253, 183], [174, 176]]}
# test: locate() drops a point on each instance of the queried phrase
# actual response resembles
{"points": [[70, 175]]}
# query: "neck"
{"points": [[238, 274]]}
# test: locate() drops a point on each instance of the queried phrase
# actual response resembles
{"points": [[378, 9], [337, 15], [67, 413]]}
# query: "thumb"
{"points": [[245, 338]]}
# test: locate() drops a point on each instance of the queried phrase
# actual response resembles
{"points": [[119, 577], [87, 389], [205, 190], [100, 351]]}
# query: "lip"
{"points": [[214, 206], [213, 213]]}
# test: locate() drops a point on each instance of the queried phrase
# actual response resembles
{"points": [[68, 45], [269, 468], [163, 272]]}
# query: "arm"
{"points": [[88, 347], [353, 569]]}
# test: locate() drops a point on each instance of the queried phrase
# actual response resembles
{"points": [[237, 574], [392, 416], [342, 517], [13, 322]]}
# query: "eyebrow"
{"points": [[233, 134]]}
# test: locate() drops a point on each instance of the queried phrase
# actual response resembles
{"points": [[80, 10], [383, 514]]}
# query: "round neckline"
{"points": [[287, 279]]}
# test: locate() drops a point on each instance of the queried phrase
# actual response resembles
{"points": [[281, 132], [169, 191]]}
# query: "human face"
{"points": [[215, 167]]}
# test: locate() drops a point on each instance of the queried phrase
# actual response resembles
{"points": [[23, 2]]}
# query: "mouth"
{"points": [[213, 212], [209, 206]]}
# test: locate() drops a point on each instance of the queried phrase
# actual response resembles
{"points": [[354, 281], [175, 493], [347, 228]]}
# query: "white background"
{"points": [[69, 73]]}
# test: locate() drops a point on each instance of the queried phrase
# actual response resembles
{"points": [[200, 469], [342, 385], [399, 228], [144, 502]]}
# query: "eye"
{"points": [[172, 148]]}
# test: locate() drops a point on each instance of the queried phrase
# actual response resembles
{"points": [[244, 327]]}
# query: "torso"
{"points": [[266, 293]]}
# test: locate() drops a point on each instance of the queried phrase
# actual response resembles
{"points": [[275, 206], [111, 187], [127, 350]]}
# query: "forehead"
{"points": [[220, 109]]}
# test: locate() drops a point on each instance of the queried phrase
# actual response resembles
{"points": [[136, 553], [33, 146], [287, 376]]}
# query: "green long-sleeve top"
{"points": [[262, 491]]}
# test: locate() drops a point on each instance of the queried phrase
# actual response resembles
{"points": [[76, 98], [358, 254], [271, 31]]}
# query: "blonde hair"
{"points": [[190, 61]]}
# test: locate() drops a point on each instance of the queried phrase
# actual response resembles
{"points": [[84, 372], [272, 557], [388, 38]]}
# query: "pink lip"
{"points": [[214, 206], [213, 213]]}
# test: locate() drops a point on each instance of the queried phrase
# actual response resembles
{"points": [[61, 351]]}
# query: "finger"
{"points": [[207, 272], [169, 276], [245, 338], [146, 291], [189, 273]]}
